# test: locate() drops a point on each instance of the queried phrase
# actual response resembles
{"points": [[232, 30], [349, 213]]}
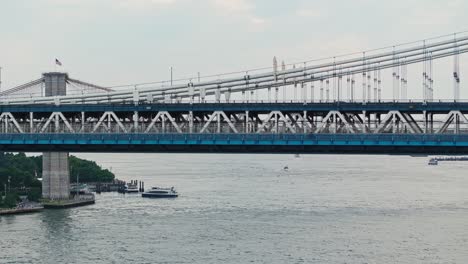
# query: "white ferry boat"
{"points": [[157, 192]]}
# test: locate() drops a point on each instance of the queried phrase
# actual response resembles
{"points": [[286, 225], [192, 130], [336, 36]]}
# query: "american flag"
{"points": [[58, 62]]}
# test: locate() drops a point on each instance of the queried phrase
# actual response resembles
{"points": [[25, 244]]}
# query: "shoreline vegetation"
{"points": [[19, 175]]}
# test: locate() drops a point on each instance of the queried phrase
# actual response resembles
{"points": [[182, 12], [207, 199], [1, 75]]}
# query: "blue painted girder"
{"points": [[410, 140]]}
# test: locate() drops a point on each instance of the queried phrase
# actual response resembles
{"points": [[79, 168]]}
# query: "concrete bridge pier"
{"points": [[55, 173], [55, 176]]}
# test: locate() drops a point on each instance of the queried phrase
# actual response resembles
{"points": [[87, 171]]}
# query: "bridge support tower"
{"points": [[55, 172]]}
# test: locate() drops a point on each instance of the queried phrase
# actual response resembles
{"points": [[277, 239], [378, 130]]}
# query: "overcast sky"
{"points": [[112, 42]]}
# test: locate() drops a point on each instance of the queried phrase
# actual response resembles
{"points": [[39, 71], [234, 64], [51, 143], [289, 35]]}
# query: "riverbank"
{"points": [[23, 209], [21, 175], [81, 200]]}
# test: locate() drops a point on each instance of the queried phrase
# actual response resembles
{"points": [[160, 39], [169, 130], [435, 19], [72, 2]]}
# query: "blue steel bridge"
{"points": [[338, 127], [334, 105]]}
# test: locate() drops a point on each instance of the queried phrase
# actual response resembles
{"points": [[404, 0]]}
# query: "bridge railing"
{"points": [[172, 102]]}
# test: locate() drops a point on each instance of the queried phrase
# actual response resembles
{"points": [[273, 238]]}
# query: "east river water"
{"points": [[247, 209]]}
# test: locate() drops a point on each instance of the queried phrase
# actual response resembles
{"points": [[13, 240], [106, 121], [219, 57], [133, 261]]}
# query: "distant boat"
{"points": [[131, 188], [433, 161], [297, 155], [286, 168], [157, 192], [79, 188]]}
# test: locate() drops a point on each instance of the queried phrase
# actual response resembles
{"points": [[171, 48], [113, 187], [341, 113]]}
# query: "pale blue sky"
{"points": [[110, 42]]}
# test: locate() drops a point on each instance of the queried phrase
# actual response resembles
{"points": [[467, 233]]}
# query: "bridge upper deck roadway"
{"points": [[375, 107]]}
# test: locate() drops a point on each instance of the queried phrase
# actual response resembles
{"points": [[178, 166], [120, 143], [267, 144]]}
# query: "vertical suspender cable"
{"points": [[431, 80], [369, 86], [375, 84], [311, 87], [379, 83], [312, 92], [283, 69], [428, 92], [321, 90], [275, 72], [456, 73], [304, 85], [348, 85], [256, 95], [398, 78], [328, 89], [403, 92], [394, 75], [340, 79], [303, 92], [334, 80], [364, 78], [424, 72], [295, 85]]}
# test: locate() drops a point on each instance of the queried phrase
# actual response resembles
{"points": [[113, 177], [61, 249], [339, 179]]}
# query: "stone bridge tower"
{"points": [[55, 169]]}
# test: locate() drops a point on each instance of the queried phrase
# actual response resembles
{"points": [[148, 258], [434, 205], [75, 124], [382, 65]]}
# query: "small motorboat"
{"points": [[433, 161], [157, 192], [286, 168]]}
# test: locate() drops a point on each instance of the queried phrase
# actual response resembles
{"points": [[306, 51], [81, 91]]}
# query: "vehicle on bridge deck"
{"points": [[157, 192]]}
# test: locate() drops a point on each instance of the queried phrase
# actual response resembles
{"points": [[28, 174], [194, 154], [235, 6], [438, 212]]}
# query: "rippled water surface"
{"points": [[247, 209]]}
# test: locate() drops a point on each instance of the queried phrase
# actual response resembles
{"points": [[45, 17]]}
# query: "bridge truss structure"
{"points": [[239, 118], [416, 127]]}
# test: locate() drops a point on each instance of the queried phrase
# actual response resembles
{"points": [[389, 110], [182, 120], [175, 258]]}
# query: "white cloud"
{"points": [[240, 10], [257, 24], [233, 5], [72, 3], [431, 16], [145, 3], [312, 13], [257, 21]]}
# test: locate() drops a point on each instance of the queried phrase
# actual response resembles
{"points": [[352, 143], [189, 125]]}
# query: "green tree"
{"points": [[88, 171], [24, 171], [35, 194], [10, 201]]}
